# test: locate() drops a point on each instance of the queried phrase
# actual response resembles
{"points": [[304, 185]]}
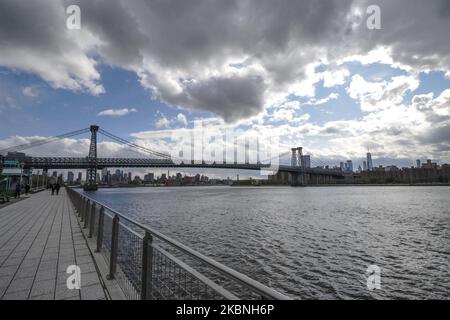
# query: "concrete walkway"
{"points": [[39, 238]]}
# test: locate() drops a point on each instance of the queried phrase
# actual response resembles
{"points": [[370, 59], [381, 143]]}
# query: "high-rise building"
{"points": [[349, 166], [364, 165], [341, 166], [149, 177], [70, 177], [307, 161], [418, 163], [105, 175], [369, 161]]}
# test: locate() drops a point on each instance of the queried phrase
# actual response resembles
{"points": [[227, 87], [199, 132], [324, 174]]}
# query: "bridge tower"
{"points": [[301, 162], [294, 161], [91, 172]]}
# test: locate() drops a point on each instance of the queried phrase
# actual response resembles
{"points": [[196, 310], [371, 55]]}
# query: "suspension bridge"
{"points": [[297, 173]]}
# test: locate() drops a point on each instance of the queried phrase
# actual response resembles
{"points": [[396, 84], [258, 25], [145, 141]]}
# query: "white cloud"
{"points": [[181, 118], [162, 121], [334, 77], [383, 94], [31, 91], [331, 96], [116, 112]]}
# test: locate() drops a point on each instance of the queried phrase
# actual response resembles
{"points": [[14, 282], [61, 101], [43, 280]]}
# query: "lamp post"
{"points": [[22, 164], [30, 178]]}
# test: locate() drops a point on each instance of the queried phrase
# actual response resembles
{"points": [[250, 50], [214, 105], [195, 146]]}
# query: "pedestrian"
{"points": [[57, 188], [27, 188], [53, 188], [17, 195]]}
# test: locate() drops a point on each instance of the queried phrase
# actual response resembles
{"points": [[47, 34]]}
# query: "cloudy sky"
{"points": [[308, 72]]}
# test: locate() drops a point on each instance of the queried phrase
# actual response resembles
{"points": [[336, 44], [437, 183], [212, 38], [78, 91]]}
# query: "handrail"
{"points": [[258, 287]]}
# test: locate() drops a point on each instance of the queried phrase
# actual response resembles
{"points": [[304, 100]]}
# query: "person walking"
{"points": [[27, 188], [18, 188], [53, 188], [57, 186]]}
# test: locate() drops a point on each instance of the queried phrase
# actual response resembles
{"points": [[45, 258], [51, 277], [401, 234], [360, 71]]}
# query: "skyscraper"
{"points": [[369, 162], [364, 165], [307, 161], [418, 163], [349, 166], [105, 175]]}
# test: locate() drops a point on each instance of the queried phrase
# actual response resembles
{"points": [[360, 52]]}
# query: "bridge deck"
{"points": [[39, 238]]}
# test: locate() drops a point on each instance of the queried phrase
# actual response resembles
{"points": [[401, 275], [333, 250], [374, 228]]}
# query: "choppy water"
{"points": [[310, 243]]}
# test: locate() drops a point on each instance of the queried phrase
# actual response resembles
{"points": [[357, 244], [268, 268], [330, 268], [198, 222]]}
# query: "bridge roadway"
{"points": [[83, 163], [39, 238]]}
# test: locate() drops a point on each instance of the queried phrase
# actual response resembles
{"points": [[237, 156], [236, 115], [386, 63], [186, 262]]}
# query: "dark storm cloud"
{"points": [[438, 135], [182, 50], [33, 38], [231, 98]]}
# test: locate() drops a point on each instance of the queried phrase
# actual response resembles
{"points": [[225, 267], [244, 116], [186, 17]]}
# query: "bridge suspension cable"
{"points": [[43, 141], [133, 145]]}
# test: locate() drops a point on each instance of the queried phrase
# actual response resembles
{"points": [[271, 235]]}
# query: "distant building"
{"points": [[307, 161], [349, 166], [364, 165], [105, 175], [70, 177], [149, 177], [429, 165], [418, 163], [369, 161]]}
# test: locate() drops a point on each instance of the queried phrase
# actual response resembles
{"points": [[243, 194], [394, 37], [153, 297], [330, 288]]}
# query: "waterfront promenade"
{"points": [[39, 238]]}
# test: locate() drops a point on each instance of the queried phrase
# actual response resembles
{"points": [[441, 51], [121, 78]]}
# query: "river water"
{"points": [[309, 243]]}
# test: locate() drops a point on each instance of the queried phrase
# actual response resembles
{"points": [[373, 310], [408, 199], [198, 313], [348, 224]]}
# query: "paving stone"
{"points": [[8, 271], [43, 297], [94, 292], [43, 287], [88, 279], [21, 284], [12, 262], [5, 280], [62, 292], [20, 295]]}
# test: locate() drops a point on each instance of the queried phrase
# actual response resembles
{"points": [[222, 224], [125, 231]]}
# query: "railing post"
{"points": [[114, 243], [101, 216], [147, 265], [92, 221], [86, 214], [80, 212]]}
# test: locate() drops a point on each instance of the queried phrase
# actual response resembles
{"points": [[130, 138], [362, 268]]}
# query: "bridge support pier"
{"points": [[298, 179]]}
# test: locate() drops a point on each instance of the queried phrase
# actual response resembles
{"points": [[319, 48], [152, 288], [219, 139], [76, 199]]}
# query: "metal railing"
{"points": [[149, 265]]}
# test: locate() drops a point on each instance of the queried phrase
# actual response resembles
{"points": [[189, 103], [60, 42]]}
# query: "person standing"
{"points": [[53, 188], [57, 186], [18, 189]]}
